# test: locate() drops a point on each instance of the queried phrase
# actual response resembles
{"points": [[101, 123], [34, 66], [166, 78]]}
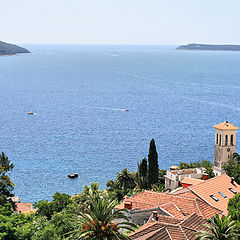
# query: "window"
{"points": [[226, 139], [222, 194], [232, 190], [214, 198], [220, 140], [232, 140], [217, 139]]}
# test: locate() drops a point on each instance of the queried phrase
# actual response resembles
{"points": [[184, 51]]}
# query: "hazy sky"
{"points": [[120, 21]]}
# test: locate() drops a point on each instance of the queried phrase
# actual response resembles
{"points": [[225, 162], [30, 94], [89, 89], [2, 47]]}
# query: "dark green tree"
{"points": [[153, 168], [232, 167], [6, 186], [125, 180], [234, 210], [47, 209], [220, 228], [142, 173], [15, 226], [101, 222]]}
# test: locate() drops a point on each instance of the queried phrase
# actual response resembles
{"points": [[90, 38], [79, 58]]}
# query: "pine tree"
{"points": [[153, 169]]}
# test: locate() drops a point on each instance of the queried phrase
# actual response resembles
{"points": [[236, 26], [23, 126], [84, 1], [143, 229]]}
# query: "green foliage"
{"points": [[161, 179], [15, 227], [99, 222], [84, 199], [232, 167], [204, 163], [45, 230], [60, 202], [210, 172], [153, 168], [125, 180], [220, 228], [142, 173], [234, 210], [6, 186]]}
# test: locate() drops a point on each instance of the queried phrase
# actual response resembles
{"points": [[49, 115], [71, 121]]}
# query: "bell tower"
{"points": [[225, 143]]}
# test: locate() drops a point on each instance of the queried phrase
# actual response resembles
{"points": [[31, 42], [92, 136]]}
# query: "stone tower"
{"points": [[225, 144]]}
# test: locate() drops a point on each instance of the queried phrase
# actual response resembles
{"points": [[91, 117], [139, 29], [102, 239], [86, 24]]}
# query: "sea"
{"points": [[80, 94]]}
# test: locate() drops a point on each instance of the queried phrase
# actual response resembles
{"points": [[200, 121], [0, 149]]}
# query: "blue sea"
{"points": [[79, 94]]}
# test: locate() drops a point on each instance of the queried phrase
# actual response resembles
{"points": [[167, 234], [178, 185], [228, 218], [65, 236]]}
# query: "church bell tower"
{"points": [[225, 144]]}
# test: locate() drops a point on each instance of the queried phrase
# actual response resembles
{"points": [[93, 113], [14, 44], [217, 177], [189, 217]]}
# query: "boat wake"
{"points": [[108, 108]]}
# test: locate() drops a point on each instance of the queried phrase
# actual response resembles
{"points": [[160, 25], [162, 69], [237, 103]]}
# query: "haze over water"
{"points": [[78, 94]]}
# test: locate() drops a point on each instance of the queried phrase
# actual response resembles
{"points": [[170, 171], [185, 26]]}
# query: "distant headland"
{"points": [[195, 46], [10, 49]]}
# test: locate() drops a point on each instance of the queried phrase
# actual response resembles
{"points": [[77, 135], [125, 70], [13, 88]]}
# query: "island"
{"points": [[11, 49], [208, 47]]}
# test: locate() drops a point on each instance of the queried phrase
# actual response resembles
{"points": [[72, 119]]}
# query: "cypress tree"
{"points": [[142, 170], [153, 169]]}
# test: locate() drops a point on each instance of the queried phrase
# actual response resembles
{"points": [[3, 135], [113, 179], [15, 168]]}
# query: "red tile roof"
{"points": [[23, 207], [213, 187], [191, 181], [165, 229], [176, 206]]}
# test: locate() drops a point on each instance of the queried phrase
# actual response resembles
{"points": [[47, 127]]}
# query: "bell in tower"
{"points": [[225, 144]]}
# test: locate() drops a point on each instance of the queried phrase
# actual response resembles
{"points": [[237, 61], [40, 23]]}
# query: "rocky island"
{"points": [[11, 49], [208, 47]]}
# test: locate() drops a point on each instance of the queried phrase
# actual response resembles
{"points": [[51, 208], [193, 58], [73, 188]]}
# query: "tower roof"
{"points": [[225, 126]]}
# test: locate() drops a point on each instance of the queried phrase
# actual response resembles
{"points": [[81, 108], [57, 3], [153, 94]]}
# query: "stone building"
{"points": [[225, 144]]}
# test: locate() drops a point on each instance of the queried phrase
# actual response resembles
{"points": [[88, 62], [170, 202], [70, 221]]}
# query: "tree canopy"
{"points": [[153, 168], [232, 167], [6, 186]]}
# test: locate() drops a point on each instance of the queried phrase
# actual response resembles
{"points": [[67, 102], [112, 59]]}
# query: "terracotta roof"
{"points": [[186, 192], [172, 209], [176, 206], [165, 230], [225, 126], [191, 181], [215, 186], [165, 219], [23, 207]]}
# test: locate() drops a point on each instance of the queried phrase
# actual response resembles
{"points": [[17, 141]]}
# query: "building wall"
{"points": [[223, 149]]}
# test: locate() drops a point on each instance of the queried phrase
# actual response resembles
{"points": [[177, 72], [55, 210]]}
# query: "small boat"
{"points": [[75, 175], [30, 113], [125, 110]]}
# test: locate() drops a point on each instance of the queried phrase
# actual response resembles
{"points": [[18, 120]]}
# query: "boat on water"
{"points": [[30, 113], [75, 175], [125, 110]]}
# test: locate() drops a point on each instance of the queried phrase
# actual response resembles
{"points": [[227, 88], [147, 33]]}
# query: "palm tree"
{"points": [[221, 228], [125, 180], [101, 222]]}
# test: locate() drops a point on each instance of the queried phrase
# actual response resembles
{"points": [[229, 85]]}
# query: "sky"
{"points": [[120, 21]]}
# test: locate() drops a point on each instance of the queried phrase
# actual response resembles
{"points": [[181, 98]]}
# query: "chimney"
{"points": [[232, 180], [128, 205], [204, 176], [155, 215]]}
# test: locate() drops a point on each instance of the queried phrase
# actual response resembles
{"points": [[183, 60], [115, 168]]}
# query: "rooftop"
{"points": [[175, 206], [167, 228], [225, 126], [23, 207], [215, 191], [191, 181]]}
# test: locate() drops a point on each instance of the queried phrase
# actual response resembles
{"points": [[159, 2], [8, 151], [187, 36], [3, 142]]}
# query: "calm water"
{"points": [[78, 93]]}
